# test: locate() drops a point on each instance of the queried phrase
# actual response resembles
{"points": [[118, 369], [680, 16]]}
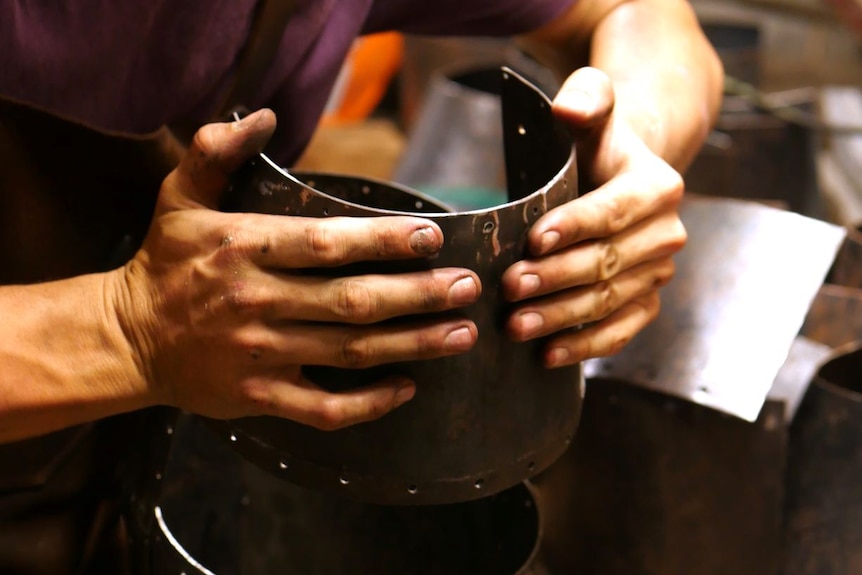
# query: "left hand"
{"points": [[599, 260]]}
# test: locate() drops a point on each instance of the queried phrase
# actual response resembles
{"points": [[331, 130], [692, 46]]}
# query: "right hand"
{"points": [[221, 320]]}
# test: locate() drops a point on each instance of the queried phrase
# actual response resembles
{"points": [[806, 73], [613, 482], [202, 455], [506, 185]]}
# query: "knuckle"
{"points": [[432, 300], [325, 245], [354, 353], [607, 298], [650, 305], [204, 141], [354, 302], [582, 347], [228, 251], [616, 215], [427, 345], [241, 299], [256, 394], [330, 414], [679, 235], [374, 409], [249, 346], [618, 343], [608, 263], [673, 185], [234, 242], [385, 241], [434, 294], [653, 306], [664, 273]]}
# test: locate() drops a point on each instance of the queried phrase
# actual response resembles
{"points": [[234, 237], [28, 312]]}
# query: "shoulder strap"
{"points": [[255, 58], [269, 21]]}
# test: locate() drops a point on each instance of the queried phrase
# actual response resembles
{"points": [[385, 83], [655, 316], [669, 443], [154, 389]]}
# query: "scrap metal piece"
{"points": [[743, 285], [792, 381], [471, 155], [481, 421], [824, 493], [835, 317], [656, 485], [217, 514], [847, 270]]}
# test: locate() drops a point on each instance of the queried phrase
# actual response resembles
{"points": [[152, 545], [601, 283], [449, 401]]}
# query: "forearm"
{"points": [[64, 359], [667, 78]]}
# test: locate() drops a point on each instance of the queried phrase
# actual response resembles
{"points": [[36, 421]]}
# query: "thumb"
{"points": [[585, 101], [585, 104], [216, 151]]}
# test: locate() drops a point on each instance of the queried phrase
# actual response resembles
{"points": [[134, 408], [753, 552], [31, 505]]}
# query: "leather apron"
{"points": [[76, 200]]}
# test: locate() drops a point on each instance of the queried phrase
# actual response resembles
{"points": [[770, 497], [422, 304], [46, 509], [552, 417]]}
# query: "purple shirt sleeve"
{"points": [[463, 17]]}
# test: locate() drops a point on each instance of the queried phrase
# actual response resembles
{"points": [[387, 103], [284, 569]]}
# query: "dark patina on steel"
{"points": [[215, 513], [823, 522], [481, 422]]}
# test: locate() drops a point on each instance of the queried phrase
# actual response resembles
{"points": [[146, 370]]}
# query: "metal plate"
{"points": [[835, 317], [655, 485], [744, 284], [824, 494]]}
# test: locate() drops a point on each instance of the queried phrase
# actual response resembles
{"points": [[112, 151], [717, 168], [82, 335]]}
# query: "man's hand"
{"points": [[600, 259], [222, 315], [640, 114]]}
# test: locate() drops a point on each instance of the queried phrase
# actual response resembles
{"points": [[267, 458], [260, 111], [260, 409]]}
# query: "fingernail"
{"points": [[549, 240], [528, 284], [459, 339], [424, 241], [531, 322], [463, 291], [558, 356], [404, 395]]}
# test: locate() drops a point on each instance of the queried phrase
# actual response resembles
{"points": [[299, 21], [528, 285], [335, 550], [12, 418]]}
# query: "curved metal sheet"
{"points": [[217, 514], [482, 421]]}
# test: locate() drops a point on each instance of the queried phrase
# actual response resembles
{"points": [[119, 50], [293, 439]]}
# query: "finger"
{"points": [[597, 260], [588, 304], [281, 242], [309, 404], [216, 151], [605, 338], [357, 347], [617, 205], [586, 99], [360, 299]]}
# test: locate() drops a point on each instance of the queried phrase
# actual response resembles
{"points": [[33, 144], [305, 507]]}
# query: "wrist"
{"points": [[129, 320], [65, 359]]}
